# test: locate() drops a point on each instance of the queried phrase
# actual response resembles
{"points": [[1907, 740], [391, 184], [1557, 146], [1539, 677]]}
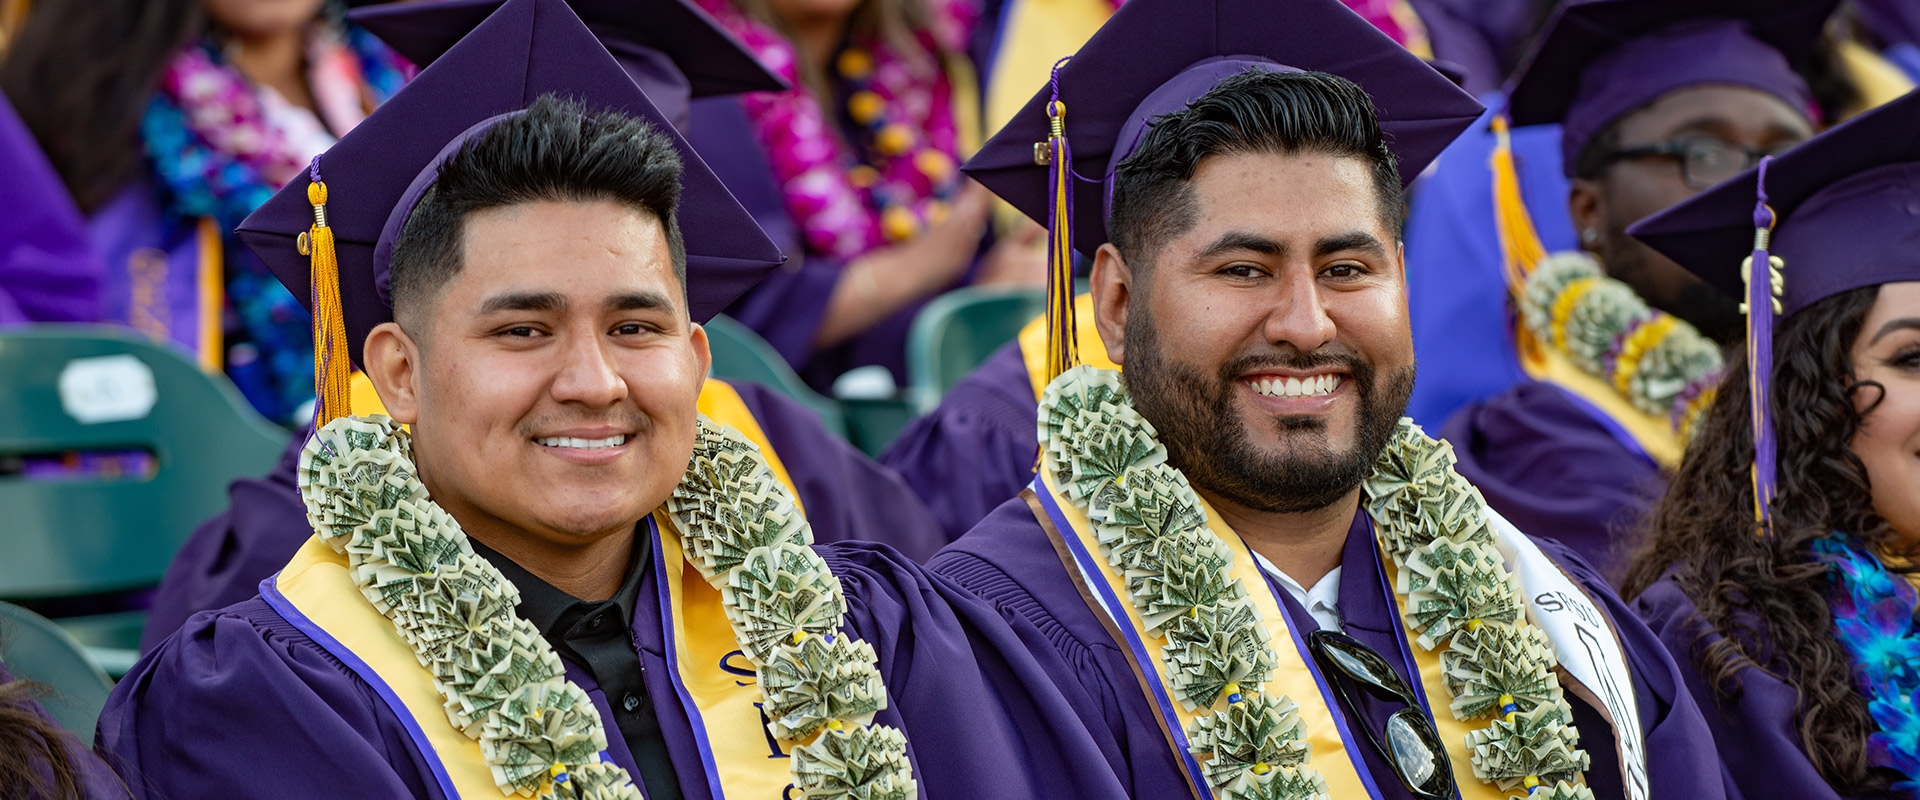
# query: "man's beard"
{"points": [[1206, 441]]}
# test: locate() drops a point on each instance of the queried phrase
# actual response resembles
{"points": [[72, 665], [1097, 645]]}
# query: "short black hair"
{"points": [[1257, 111], [555, 151]]}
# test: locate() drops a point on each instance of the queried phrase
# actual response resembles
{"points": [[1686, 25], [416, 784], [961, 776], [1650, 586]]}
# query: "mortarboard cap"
{"points": [[1839, 212], [673, 50], [526, 49], [1600, 60], [1154, 57]]}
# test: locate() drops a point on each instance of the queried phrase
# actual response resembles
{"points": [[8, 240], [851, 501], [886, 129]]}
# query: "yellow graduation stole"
{"points": [[1334, 749], [1654, 435], [1091, 350], [714, 680]]}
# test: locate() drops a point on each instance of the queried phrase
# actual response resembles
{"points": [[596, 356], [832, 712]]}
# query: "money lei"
{"points": [[503, 684], [1460, 598], [1661, 364]]}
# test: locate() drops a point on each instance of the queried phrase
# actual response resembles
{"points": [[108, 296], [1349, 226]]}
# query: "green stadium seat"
{"points": [[35, 649], [93, 389], [958, 330], [739, 354]]}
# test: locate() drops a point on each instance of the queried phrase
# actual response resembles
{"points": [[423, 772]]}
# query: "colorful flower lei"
{"points": [[1873, 616], [1659, 363], [1107, 460], [847, 201], [504, 685]]}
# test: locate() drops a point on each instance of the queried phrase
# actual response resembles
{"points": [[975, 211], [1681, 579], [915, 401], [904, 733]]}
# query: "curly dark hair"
{"points": [[1768, 598]]}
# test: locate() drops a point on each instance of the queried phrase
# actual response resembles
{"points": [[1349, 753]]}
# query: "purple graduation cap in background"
{"points": [[1153, 57], [1840, 212], [673, 50], [525, 49], [1598, 61]]}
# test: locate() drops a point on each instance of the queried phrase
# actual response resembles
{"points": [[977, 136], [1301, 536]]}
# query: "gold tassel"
{"points": [[1062, 350], [1520, 246], [330, 368]]}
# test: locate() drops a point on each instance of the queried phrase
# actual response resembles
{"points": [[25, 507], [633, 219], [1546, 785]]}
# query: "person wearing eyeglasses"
{"points": [[1266, 581], [1656, 101], [1780, 570]]}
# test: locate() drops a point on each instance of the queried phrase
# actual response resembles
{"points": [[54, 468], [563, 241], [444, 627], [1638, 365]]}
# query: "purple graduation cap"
{"points": [[1153, 57], [1600, 60], [359, 192], [1840, 212], [673, 50]]}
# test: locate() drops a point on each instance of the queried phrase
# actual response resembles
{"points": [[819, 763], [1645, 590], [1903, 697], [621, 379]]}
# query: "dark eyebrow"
{"points": [[639, 301], [1902, 324], [524, 301], [1357, 240], [1240, 240]]}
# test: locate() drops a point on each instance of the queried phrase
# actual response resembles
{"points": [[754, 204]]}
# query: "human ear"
{"points": [[1112, 286], [392, 360], [702, 352], [1587, 206]]}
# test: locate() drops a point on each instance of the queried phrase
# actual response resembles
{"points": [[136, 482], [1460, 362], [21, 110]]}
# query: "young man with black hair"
{"points": [[1269, 583], [560, 578]]}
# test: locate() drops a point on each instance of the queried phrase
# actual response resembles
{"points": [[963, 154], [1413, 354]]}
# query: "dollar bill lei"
{"points": [[1659, 363], [502, 682], [1106, 460]]}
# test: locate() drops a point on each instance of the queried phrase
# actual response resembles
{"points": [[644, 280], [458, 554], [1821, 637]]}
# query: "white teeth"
{"points": [[1316, 386], [584, 444]]}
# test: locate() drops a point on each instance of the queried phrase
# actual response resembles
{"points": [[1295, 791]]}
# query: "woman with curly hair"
{"points": [[1779, 559]]}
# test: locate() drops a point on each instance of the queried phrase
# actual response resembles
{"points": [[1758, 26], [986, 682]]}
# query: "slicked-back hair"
{"points": [[557, 152], [1257, 111]]}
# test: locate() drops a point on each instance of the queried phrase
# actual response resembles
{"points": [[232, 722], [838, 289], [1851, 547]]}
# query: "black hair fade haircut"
{"points": [[556, 151], [1257, 111]]}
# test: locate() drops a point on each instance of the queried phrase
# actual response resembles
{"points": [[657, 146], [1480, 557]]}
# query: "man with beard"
{"points": [[1657, 101], [1267, 583]]}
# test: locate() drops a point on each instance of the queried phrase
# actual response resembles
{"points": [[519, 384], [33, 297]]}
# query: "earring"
{"points": [[1590, 235]]}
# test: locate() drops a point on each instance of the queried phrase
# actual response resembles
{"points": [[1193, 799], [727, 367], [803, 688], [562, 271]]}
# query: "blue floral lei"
{"points": [[1873, 615]]}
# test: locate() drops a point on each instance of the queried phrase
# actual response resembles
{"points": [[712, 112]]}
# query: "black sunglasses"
{"points": [[1412, 744]]}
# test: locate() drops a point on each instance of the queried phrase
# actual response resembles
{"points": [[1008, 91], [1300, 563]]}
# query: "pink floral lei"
{"points": [[847, 202]]}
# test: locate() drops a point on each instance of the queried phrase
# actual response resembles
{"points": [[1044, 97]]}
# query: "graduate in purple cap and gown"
{"points": [[1655, 102], [1775, 568], [602, 591], [1260, 572], [166, 122], [847, 496]]}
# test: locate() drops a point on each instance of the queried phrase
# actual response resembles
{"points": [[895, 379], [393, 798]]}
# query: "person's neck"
{"points": [[1306, 545], [817, 38], [592, 571], [277, 61]]}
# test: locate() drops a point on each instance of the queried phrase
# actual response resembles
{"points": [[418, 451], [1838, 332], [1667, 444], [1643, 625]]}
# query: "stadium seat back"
{"points": [[739, 354], [34, 649], [958, 330]]}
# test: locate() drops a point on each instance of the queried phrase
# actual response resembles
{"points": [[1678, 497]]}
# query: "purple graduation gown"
{"points": [[1557, 469], [847, 497], [49, 270], [1760, 753], [1009, 561], [240, 703], [977, 448]]}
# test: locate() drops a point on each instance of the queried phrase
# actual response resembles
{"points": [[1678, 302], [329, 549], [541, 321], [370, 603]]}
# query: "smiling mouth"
{"points": [[584, 444], [1313, 386]]}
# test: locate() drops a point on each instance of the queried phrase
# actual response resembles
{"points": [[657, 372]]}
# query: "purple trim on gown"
{"points": [[847, 497], [49, 271], [240, 703], [1760, 753], [977, 448], [1545, 463], [1009, 561]]}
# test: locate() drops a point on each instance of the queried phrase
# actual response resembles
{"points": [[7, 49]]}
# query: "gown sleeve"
{"points": [[239, 704], [983, 715], [978, 448], [49, 269]]}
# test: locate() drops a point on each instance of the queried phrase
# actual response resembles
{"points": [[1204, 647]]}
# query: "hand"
{"points": [[1018, 258], [937, 257]]}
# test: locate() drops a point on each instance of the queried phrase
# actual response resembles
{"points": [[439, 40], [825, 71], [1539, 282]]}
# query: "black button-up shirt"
{"points": [[598, 636]]}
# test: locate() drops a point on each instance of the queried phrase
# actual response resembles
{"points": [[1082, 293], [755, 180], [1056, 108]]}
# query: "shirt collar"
{"points": [[554, 611]]}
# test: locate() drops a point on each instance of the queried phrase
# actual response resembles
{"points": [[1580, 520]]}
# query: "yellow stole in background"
{"points": [[1653, 434], [1033, 344]]}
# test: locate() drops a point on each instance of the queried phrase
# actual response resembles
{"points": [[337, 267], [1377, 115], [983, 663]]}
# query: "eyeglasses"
{"points": [[1704, 160], [1412, 745]]}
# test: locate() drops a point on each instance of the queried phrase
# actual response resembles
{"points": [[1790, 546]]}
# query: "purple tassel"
{"points": [[1763, 290]]}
